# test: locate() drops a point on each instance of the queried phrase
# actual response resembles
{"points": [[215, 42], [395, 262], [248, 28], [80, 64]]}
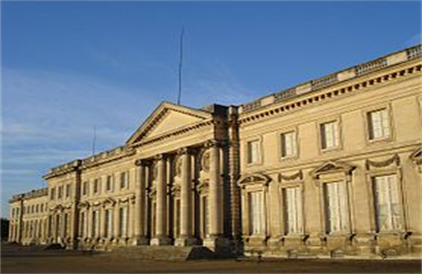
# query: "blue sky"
{"points": [[69, 66]]}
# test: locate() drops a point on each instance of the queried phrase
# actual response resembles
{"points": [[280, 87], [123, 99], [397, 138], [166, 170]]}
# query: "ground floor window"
{"points": [[109, 222], [256, 212], [95, 223], [83, 224], [293, 210], [123, 221], [337, 212], [205, 216], [387, 205]]}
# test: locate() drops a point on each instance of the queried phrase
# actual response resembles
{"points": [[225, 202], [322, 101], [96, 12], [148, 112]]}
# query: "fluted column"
{"points": [[186, 237], [161, 237], [215, 238], [140, 202]]}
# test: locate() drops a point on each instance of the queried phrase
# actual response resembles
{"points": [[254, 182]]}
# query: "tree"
{"points": [[4, 229]]}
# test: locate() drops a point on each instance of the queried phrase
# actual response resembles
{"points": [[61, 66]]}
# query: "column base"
{"points": [[140, 240], [185, 241], [161, 240], [217, 243]]}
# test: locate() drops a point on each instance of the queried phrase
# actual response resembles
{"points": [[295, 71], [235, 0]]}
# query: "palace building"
{"points": [[328, 168]]}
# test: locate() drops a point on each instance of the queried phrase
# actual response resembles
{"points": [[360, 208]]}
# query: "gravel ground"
{"points": [[17, 259]]}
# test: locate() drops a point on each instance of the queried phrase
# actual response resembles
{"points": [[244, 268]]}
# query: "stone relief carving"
{"points": [[378, 164], [296, 176]]}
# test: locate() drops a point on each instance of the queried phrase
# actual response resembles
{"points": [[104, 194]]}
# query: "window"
{"points": [[337, 216], [53, 194], [387, 205], [67, 190], [83, 224], [329, 135], [96, 186], [123, 221], [253, 152], [85, 188], [109, 223], [256, 213], [288, 144], [60, 192], [205, 216], [293, 210], [95, 223], [378, 124], [123, 180], [65, 225], [109, 183], [37, 208], [42, 208]]}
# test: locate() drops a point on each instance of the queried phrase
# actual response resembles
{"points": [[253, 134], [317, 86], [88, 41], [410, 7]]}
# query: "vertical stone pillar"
{"points": [[215, 240], [103, 222], [116, 227], [140, 204], [161, 237], [186, 238]]}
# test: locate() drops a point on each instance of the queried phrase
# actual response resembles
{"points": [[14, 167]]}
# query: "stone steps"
{"points": [[163, 253]]}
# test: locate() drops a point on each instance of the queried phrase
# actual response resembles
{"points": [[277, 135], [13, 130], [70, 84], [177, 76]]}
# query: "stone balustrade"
{"points": [[359, 70]]}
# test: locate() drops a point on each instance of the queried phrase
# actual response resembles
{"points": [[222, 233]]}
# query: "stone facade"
{"points": [[329, 168]]}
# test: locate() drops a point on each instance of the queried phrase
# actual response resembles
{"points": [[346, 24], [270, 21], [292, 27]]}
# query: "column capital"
{"points": [[159, 157], [184, 150], [212, 143], [142, 162]]}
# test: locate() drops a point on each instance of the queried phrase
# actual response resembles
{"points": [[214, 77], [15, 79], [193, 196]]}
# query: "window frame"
{"points": [[260, 156], [367, 126], [280, 133], [320, 139]]}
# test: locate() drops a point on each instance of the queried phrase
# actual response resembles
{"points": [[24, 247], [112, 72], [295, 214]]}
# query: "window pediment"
{"points": [[416, 156], [332, 167], [253, 179]]}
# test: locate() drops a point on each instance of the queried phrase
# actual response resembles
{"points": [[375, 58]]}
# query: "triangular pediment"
{"points": [[330, 167], [416, 156], [166, 118]]}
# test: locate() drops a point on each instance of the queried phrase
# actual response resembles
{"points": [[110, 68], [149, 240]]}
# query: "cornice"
{"points": [[327, 94]]}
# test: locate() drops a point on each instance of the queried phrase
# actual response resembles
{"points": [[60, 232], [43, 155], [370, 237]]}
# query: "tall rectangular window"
{"points": [[83, 224], [288, 144], [256, 207], [85, 188], [67, 190], [337, 211], [96, 186], [293, 210], [109, 223], [205, 216], [253, 152], [52, 194], [60, 192], [123, 221], [109, 183], [123, 180], [95, 223], [378, 124], [388, 208], [329, 135]]}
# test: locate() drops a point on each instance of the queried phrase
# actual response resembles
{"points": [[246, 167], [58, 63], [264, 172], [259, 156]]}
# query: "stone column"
{"points": [[102, 222], [186, 238], [215, 239], [161, 237], [140, 204], [116, 227]]}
